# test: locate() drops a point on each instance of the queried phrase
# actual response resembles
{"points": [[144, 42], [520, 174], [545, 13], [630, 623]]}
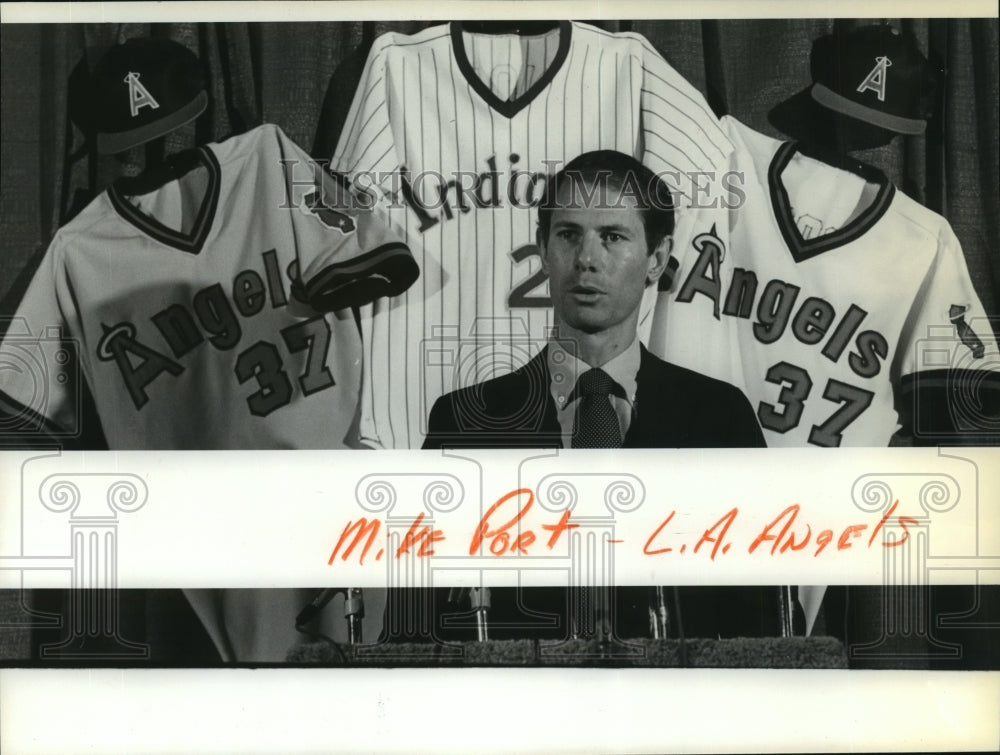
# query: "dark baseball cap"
{"points": [[875, 74], [869, 84], [145, 88]]}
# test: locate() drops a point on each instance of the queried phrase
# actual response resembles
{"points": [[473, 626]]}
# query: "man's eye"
{"points": [[567, 234], [613, 237]]}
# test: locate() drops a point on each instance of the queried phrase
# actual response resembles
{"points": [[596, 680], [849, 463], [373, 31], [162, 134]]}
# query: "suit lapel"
{"points": [[650, 423], [550, 420], [526, 394]]}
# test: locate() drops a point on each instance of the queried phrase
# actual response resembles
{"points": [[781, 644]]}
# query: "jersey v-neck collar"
{"points": [[190, 242], [802, 248], [509, 108]]}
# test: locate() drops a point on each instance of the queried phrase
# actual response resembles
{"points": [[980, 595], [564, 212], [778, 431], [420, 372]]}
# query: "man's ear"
{"points": [[658, 259], [542, 252]]}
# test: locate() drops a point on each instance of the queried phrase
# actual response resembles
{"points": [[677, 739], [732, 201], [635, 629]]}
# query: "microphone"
{"points": [[354, 612], [659, 616], [318, 603], [479, 597], [602, 614], [786, 611], [682, 654]]}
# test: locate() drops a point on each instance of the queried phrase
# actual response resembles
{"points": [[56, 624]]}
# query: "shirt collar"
{"points": [[565, 369]]}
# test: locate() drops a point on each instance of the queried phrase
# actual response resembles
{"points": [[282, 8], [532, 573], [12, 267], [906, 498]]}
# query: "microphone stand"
{"points": [[354, 612], [682, 655], [479, 598], [659, 617], [785, 611]]}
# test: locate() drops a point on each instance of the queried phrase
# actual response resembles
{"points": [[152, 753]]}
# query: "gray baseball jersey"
{"points": [[198, 312]]}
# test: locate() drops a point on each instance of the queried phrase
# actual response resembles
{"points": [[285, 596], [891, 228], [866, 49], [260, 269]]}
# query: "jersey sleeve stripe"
{"points": [[675, 185], [373, 113], [385, 172], [365, 105], [350, 134], [678, 126], [385, 271], [368, 148], [681, 132], [417, 40], [708, 123]]}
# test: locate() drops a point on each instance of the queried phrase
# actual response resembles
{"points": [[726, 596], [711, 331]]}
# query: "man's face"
{"points": [[598, 263]]}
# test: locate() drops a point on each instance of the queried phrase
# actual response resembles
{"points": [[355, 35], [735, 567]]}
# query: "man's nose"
{"points": [[589, 253]]}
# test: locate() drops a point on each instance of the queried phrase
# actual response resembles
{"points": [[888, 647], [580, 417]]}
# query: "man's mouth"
{"points": [[582, 290]]}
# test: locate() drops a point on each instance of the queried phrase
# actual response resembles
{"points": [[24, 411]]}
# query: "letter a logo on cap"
{"points": [[875, 80], [138, 95]]}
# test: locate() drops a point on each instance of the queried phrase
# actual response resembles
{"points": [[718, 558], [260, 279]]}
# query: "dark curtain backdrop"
{"points": [[302, 76]]}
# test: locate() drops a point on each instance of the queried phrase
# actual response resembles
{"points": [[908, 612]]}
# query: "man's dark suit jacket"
{"points": [[674, 408]]}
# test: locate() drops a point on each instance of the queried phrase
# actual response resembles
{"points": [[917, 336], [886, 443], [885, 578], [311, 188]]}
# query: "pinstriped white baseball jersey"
{"points": [[195, 308], [458, 131], [835, 301]]}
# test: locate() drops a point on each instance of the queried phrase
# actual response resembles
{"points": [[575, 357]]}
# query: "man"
{"points": [[604, 228], [604, 235]]}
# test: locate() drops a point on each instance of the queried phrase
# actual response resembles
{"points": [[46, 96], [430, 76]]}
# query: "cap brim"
{"points": [[109, 144], [851, 109], [804, 119]]}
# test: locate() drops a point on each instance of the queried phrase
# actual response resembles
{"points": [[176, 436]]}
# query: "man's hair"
{"points": [[613, 176]]}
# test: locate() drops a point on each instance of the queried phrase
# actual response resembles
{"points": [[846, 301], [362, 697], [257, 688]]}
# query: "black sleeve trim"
{"points": [[19, 422], [950, 407], [386, 271]]}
